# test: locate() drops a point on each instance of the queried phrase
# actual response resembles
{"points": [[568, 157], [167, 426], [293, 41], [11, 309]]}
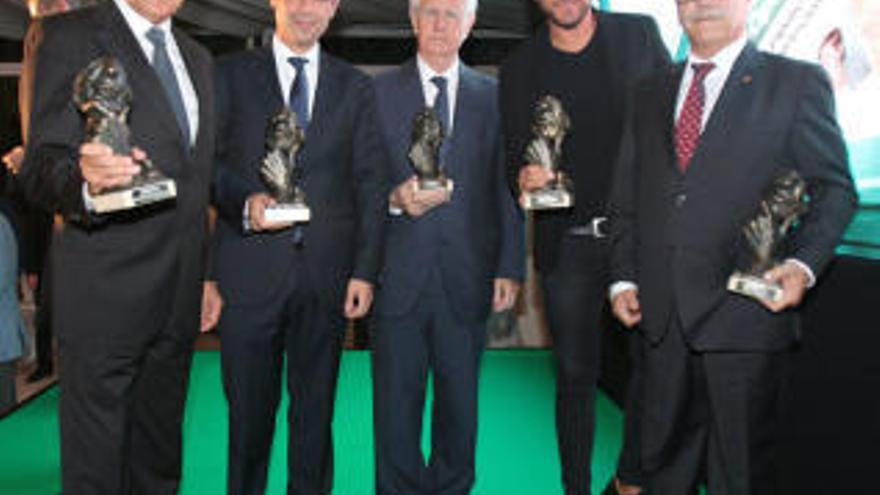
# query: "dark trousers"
{"points": [[254, 342], [8, 370], [121, 409], [429, 337], [575, 291], [43, 319], [712, 412]]}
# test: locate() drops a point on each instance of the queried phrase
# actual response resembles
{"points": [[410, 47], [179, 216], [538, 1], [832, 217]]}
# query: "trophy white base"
{"points": [[434, 184], [287, 213], [548, 199], [754, 287], [135, 196]]}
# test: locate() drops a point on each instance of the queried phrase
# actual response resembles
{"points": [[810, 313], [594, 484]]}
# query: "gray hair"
{"points": [[470, 6]]}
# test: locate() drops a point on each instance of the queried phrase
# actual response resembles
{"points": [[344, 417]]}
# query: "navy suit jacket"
{"points": [[478, 235], [344, 176], [678, 236], [135, 271]]}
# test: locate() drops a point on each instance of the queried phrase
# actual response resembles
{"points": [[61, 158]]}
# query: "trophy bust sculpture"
{"points": [[280, 169], [102, 94], [785, 201], [549, 127], [424, 152]]}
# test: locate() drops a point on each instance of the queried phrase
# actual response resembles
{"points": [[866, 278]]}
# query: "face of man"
{"points": [[156, 11], [301, 23], [441, 26], [566, 14], [711, 25]]}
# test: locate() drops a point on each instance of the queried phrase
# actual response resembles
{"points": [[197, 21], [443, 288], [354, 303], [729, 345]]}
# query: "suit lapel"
{"points": [[466, 104], [669, 97], [200, 81], [327, 93], [732, 102], [412, 98]]}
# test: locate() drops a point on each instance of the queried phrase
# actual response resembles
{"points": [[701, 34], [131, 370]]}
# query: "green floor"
{"points": [[516, 454]]}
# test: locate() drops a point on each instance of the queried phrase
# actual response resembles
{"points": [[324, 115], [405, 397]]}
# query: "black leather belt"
{"points": [[593, 229]]}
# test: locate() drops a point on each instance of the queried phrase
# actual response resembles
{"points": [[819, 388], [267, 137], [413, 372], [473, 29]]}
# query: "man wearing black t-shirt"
{"points": [[587, 59]]}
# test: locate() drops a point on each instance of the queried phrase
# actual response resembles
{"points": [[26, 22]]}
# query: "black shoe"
{"points": [[610, 489], [42, 372]]}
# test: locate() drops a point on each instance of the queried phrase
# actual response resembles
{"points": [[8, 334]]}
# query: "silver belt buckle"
{"points": [[594, 226]]}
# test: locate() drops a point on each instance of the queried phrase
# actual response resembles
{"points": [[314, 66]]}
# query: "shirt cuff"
{"points": [[88, 199], [245, 217], [618, 287], [394, 211], [811, 277]]}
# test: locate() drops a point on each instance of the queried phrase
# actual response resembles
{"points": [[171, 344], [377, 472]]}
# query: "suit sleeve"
{"points": [[511, 263], [371, 184], [514, 124], [228, 189], [622, 208], [50, 175], [817, 149]]}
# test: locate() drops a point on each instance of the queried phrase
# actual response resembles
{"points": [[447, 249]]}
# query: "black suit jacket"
{"points": [[678, 236], [138, 270], [344, 176], [634, 51], [478, 235]]}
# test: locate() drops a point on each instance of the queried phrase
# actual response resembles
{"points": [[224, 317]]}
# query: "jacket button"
{"points": [[680, 200]]}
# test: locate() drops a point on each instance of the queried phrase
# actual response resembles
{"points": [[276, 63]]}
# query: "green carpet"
{"points": [[516, 452]]}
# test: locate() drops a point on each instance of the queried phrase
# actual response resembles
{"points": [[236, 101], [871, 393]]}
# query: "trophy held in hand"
{"points": [[784, 202], [102, 94], [424, 152], [549, 127], [281, 169]]}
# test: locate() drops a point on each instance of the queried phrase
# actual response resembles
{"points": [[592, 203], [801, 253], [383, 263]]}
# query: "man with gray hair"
{"points": [[452, 255]]}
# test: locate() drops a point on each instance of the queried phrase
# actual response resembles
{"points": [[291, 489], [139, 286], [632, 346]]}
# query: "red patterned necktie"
{"points": [[690, 120]]}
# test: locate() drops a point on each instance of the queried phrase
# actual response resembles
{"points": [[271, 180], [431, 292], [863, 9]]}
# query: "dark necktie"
{"points": [[299, 91], [441, 103], [165, 71], [690, 120]]}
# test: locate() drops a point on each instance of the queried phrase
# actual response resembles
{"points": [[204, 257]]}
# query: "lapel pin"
{"points": [[747, 79]]}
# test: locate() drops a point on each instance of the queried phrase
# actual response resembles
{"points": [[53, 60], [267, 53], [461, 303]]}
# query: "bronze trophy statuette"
{"points": [[424, 152], [102, 94], [549, 127], [784, 202], [281, 170]]}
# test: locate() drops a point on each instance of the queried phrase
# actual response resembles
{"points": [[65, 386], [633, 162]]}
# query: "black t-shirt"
{"points": [[582, 82]]}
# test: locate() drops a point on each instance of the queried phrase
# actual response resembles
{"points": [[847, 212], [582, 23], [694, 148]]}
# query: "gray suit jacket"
{"points": [[13, 336]]}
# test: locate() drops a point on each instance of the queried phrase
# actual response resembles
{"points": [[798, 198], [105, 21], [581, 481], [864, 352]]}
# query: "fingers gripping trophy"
{"points": [[281, 169], [102, 94], [784, 202], [549, 127]]}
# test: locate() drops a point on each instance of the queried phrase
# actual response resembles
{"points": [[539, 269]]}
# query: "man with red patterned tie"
{"points": [[702, 142]]}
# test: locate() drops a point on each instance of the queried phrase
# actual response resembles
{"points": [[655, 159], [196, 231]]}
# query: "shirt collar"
{"points": [[426, 73], [138, 23], [725, 58], [283, 53]]}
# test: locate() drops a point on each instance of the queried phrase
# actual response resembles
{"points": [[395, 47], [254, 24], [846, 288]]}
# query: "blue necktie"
{"points": [[299, 91], [441, 103], [165, 71], [298, 102]]}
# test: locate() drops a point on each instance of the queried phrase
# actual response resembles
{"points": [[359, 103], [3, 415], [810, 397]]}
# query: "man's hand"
{"points": [[103, 170], [256, 205], [414, 202], [358, 298], [531, 178], [627, 308], [13, 160], [794, 281], [212, 306], [506, 291], [32, 280]]}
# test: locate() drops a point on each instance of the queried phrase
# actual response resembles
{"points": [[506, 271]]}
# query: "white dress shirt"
{"points": [[429, 89], [287, 73], [713, 85]]}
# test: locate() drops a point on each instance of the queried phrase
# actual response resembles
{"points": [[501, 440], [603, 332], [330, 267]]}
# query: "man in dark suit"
{"points": [[128, 285], [289, 288], [703, 141], [587, 59], [452, 255]]}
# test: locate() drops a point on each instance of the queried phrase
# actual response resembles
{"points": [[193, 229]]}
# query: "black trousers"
{"points": [[405, 348], [121, 408], [575, 293], [254, 342], [713, 413], [43, 318]]}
